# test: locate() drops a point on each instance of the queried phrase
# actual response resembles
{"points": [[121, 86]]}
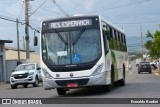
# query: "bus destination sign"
{"points": [[70, 23]]}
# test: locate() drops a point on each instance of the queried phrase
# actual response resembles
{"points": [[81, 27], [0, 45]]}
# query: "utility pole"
{"points": [[18, 40], [27, 29], [141, 40], [24, 47]]}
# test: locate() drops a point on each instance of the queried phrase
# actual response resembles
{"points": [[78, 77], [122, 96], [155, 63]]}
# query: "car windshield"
{"points": [[73, 47], [25, 67], [145, 63]]}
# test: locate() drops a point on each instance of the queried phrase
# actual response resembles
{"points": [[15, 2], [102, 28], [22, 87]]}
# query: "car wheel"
{"points": [[13, 86], [25, 85], [36, 82], [61, 91]]}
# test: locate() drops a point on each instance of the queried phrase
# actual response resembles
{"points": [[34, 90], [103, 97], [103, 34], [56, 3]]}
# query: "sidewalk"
{"points": [[4, 85], [156, 72]]}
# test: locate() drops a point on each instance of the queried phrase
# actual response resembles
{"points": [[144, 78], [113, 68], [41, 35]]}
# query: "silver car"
{"points": [[26, 74]]}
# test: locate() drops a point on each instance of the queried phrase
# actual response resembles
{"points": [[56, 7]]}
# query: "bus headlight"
{"points": [[46, 74], [98, 70]]}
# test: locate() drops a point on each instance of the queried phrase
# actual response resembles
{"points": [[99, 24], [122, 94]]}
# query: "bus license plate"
{"points": [[72, 85]]}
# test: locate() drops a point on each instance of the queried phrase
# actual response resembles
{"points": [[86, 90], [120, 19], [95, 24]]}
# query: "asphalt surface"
{"points": [[137, 86]]}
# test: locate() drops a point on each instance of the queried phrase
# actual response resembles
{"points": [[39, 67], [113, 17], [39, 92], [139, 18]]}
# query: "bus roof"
{"points": [[61, 18], [111, 24]]}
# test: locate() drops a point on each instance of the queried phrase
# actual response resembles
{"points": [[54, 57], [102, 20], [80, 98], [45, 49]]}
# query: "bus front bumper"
{"points": [[80, 81]]}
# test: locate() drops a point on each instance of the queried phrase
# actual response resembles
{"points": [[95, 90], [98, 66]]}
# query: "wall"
{"points": [[13, 55], [2, 63], [10, 66]]}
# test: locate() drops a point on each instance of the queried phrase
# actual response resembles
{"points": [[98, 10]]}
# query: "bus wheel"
{"points": [[107, 88], [112, 76], [61, 91], [122, 81]]}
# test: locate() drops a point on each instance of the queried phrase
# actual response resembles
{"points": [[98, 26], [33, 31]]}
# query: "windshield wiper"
{"points": [[60, 36], [79, 35]]}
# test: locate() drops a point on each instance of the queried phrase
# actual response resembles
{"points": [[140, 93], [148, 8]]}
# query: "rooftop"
{"points": [[15, 49], [6, 41]]}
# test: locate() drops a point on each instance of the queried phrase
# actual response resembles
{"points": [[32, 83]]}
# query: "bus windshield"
{"points": [[72, 47]]}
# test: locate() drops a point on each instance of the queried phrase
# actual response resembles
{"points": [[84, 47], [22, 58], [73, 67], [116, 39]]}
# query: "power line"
{"points": [[47, 10], [7, 19], [21, 11], [38, 8], [44, 9], [32, 28], [8, 13], [13, 2], [118, 6], [61, 9], [6, 3], [140, 22]]}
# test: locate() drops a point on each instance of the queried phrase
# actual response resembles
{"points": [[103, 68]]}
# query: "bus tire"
{"points": [[122, 81], [112, 76], [107, 88], [61, 91]]}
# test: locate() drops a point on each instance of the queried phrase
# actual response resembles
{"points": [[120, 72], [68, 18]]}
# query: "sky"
{"points": [[126, 14]]}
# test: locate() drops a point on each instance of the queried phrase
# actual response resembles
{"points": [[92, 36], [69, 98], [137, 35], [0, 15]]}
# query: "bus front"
{"points": [[71, 53]]}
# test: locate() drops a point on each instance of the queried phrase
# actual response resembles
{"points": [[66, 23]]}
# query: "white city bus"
{"points": [[82, 51]]}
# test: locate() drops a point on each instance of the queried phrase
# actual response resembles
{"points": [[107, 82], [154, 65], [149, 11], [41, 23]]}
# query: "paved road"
{"points": [[137, 86]]}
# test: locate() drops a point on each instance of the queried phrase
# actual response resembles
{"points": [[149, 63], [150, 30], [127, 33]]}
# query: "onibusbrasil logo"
{"points": [[21, 101]]}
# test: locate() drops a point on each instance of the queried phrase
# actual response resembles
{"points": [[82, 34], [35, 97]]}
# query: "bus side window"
{"points": [[116, 40], [105, 42], [111, 45], [125, 43], [122, 46], [113, 40], [120, 37]]}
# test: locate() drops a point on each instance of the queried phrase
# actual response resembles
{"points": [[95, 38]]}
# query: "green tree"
{"points": [[153, 44]]}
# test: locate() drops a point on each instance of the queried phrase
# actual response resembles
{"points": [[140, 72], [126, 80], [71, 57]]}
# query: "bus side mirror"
{"points": [[35, 40]]}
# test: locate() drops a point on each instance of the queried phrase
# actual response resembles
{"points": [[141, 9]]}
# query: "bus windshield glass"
{"points": [[71, 47]]}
